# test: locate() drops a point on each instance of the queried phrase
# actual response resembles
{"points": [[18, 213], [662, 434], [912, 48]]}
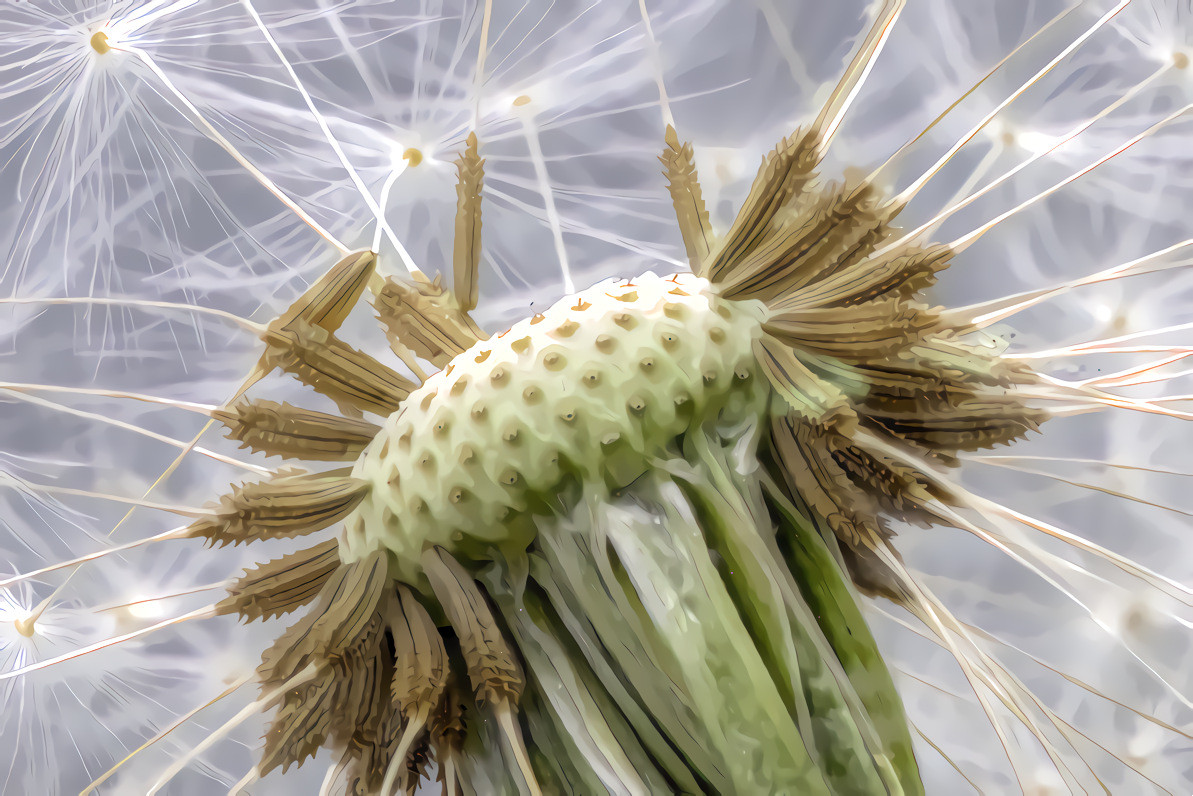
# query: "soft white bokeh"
{"points": [[112, 187]]}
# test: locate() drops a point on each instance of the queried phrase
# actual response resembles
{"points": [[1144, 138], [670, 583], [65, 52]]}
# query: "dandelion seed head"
{"points": [[180, 220]]}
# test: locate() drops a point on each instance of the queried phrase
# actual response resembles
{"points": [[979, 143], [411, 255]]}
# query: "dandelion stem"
{"points": [[1067, 460], [846, 90], [1080, 484], [244, 715], [482, 53], [965, 241], [893, 159], [928, 227], [1105, 345], [202, 409], [913, 189], [331, 140], [17, 391], [64, 490], [175, 533], [226, 145], [544, 186], [979, 316], [244, 323], [183, 719], [206, 612], [656, 62]]}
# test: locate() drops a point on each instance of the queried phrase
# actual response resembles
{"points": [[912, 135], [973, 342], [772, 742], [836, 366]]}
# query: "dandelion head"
{"points": [[383, 420]]}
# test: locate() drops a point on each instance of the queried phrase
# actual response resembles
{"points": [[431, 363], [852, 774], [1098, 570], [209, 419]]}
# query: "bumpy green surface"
{"points": [[587, 390]]}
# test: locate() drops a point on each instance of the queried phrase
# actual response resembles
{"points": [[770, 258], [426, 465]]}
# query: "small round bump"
{"points": [[716, 334], [610, 438], [636, 404], [457, 495], [566, 329], [509, 477], [426, 401], [591, 378], [426, 461], [670, 340], [498, 377], [605, 343], [419, 506], [510, 436], [568, 416], [673, 309], [554, 361], [479, 412], [532, 395], [625, 320], [460, 385], [646, 364], [710, 376], [467, 455], [741, 372], [442, 426], [100, 43]]}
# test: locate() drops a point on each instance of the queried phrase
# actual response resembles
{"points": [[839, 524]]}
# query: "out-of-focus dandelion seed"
{"points": [[666, 533]]}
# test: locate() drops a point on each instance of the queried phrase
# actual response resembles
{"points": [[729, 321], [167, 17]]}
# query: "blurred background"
{"points": [[188, 168]]}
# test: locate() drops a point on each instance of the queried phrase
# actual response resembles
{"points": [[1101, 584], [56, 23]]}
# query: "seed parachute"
{"points": [[636, 541]]}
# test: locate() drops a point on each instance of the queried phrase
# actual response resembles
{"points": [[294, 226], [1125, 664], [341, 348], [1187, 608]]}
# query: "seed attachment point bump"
{"points": [[100, 42]]}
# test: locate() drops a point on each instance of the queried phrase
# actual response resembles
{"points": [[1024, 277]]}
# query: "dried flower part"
{"points": [[866, 331], [331, 707], [349, 377], [492, 667], [426, 319], [420, 659], [784, 176], [900, 273], [292, 503], [448, 725], [466, 255], [342, 638], [958, 423], [811, 397], [295, 433], [282, 585], [825, 486], [824, 232], [687, 199], [418, 765], [371, 750], [327, 302]]}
